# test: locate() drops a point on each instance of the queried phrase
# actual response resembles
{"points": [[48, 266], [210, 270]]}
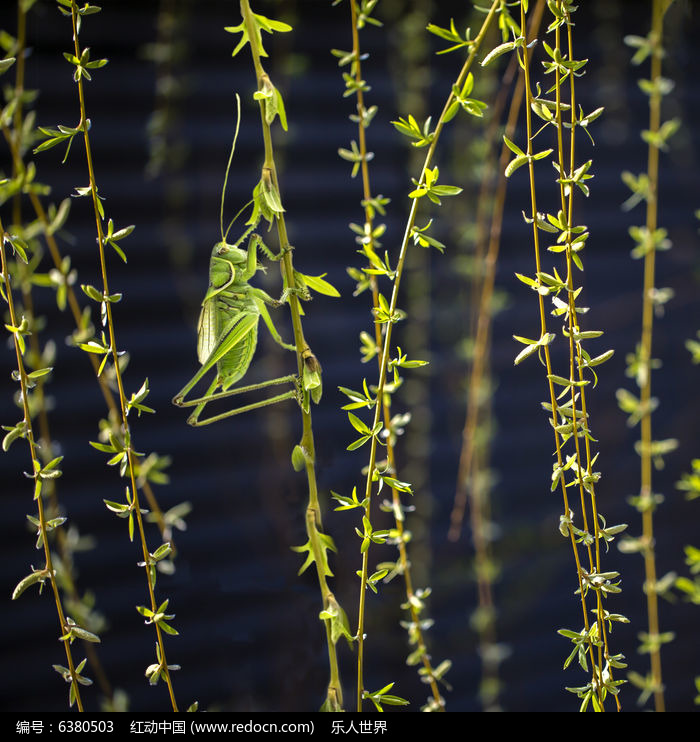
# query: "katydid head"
{"points": [[230, 253], [227, 266]]}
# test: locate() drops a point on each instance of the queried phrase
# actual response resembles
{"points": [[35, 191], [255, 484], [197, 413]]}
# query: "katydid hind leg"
{"points": [[294, 393], [194, 417], [195, 421]]}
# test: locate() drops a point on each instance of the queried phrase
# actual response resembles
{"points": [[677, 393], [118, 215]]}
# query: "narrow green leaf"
{"points": [[497, 52]]}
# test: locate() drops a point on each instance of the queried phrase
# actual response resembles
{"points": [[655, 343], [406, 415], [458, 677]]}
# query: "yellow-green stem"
{"points": [[548, 364], [13, 138], [385, 401], [29, 434], [115, 359], [387, 339], [575, 358], [646, 493], [469, 489], [314, 524]]}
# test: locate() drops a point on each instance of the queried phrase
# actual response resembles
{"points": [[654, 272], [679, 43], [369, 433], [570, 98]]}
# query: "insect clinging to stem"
{"points": [[228, 322]]}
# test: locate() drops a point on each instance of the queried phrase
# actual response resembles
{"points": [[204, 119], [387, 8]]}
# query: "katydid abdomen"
{"points": [[239, 308]]}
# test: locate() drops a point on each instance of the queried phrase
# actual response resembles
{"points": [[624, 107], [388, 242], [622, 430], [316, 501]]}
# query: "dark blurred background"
{"points": [[249, 637]]}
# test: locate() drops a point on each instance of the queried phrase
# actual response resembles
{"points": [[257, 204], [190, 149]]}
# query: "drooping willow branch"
{"points": [[649, 240], [308, 367], [369, 241], [41, 473], [569, 418], [123, 448], [426, 184]]}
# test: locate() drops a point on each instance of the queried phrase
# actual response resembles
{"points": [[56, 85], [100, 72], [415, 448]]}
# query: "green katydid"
{"points": [[228, 322]]}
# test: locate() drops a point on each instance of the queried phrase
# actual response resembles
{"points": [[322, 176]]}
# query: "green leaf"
{"points": [[39, 373], [531, 345], [358, 443], [326, 544], [317, 284], [168, 628], [14, 432], [26, 582], [513, 165], [359, 426], [336, 616], [6, 63], [409, 127], [513, 147], [451, 35], [162, 552], [91, 291], [565, 382], [599, 359], [497, 52], [85, 635], [272, 197], [298, 458], [261, 23], [104, 447], [93, 347]]}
